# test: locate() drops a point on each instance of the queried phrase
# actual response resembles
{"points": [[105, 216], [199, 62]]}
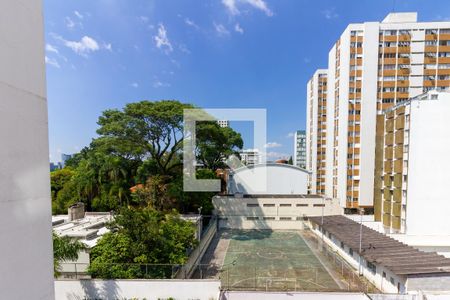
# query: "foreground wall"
{"points": [[136, 289], [26, 264]]}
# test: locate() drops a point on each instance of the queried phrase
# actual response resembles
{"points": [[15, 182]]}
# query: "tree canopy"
{"points": [[140, 237]]}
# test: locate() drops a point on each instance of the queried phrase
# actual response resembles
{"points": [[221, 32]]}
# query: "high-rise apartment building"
{"points": [[372, 67], [223, 123], [413, 143], [316, 131], [250, 156], [300, 149]]}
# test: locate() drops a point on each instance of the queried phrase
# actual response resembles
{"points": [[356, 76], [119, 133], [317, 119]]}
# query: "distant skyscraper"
{"points": [[300, 149], [64, 158], [223, 123], [249, 156]]}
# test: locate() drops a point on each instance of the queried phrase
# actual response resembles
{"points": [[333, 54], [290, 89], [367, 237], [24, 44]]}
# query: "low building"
{"points": [[250, 156], [88, 229], [393, 267], [270, 178], [413, 144], [271, 211]]}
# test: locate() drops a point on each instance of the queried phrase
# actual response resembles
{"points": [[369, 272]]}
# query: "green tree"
{"points": [[64, 249], [215, 144], [141, 236], [290, 161], [60, 189]]}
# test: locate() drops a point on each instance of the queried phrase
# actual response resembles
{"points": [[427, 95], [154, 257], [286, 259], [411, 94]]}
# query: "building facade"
{"points": [[316, 131], [223, 123], [414, 147], [250, 156], [300, 149], [372, 67]]}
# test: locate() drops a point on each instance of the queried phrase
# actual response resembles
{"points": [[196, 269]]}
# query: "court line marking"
{"points": [[339, 284]]}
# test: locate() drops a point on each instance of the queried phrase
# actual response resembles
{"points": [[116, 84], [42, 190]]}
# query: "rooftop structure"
{"points": [[389, 264]]}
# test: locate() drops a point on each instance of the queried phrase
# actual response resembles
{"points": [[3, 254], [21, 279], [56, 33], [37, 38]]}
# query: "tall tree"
{"points": [[215, 144]]}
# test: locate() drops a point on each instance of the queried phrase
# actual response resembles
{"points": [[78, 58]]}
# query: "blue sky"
{"points": [[102, 54]]}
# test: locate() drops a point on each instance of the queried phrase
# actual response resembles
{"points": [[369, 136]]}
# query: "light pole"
{"points": [[361, 212], [323, 206], [200, 222]]}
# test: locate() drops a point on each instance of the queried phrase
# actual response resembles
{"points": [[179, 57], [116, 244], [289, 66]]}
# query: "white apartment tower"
{"points": [[371, 67], [300, 149], [316, 131], [223, 123]]}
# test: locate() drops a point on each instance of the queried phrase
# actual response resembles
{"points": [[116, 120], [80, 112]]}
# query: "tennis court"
{"points": [[272, 260]]}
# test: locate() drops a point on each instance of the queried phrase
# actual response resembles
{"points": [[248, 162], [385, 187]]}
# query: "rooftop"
{"points": [[381, 249]]}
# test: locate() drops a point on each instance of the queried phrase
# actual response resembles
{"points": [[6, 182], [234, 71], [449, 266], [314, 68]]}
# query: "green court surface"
{"points": [[272, 260]]}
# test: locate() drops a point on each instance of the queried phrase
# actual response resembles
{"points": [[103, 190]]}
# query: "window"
{"points": [[285, 218], [392, 280], [342, 245], [285, 205], [384, 274], [302, 205], [269, 205], [252, 218], [372, 268], [269, 218], [252, 205], [319, 205], [350, 251]]}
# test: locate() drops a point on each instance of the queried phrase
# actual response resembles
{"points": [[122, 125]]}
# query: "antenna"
{"points": [[393, 5]]}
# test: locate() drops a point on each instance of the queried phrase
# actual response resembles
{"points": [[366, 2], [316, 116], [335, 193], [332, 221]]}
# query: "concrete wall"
{"points": [[270, 213], [429, 283], [428, 208], [136, 289], [26, 264], [282, 179]]}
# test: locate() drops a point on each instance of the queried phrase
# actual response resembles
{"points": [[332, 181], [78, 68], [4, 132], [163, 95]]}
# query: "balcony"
{"points": [[397, 209], [398, 152], [387, 206], [398, 181], [400, 123], [398, 166]]}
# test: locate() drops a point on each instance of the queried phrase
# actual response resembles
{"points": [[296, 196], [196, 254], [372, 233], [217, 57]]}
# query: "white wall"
{"points": [[368, 113], [271, 213], [282, 179], [136, 289], [428, 205], [26, 264]]}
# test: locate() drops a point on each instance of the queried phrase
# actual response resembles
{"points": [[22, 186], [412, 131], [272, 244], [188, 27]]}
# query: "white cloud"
{"points": [[70, 23], [51, 48], [84, 46], [161, 39], [238, 28], [191, 23], [143, 19], [184, 49], [306, 60], [272, 145], [232, 6], [290, 135], [135, 85], [158, 84], [78, 14], [221, 30], [277, 155], [107, 46], [52, 62], [330, 13]]}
